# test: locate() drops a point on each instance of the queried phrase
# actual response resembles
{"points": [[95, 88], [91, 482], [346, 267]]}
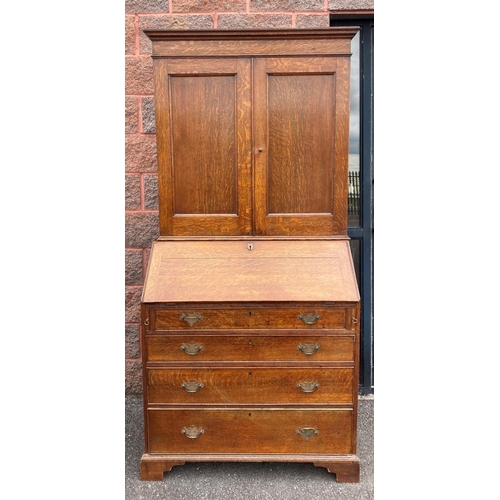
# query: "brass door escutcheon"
{"points": [[192, 386], [307, 432], [308, 349], [192, 432], [192, 349], [191, 318], [308, 386], [309, 318]]}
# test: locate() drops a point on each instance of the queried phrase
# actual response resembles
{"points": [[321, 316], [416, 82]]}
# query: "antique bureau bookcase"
{"points": [[250, 308]]}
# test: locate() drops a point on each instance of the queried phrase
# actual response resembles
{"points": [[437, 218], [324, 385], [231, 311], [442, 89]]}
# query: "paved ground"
{"points": [[248, 481]]}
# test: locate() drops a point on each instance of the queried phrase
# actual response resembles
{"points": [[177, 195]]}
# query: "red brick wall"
{"points": [[141, 199]]}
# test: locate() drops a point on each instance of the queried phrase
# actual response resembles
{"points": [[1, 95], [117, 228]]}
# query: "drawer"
{"points": [[245, 348], [252, 318], [271, 386], [250, 431]]}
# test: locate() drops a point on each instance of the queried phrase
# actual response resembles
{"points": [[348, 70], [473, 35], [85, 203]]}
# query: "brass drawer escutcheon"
{"points": [[192, 432], [307, 432], [309, 318], [191, 318], [192, 386], [308, 386], [192, 349], [308, 349]]}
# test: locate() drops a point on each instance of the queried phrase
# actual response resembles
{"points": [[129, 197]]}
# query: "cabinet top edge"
{"points": [[268, 34]]}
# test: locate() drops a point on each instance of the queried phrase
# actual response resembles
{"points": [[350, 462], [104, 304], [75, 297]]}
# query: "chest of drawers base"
{"points": [[264, 377]]}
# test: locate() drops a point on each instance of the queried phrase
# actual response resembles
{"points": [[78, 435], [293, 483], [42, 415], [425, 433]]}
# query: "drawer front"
{"points": [[250, 431], [251, 318], [252, 385], [245, 348]]}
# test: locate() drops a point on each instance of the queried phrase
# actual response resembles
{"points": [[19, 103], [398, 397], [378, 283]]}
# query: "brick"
{"points": [[148, 115], [178, 21], [133, 377], [146, 6], [132, 192], [132, 350], [140, 153], [208, 5], [138, 75], [151, 192], [350, 4], [250, 21], [312, 21], [129, 35], [141, 229], [131, 115], [260, 5], [133, 304], [133, 267]]}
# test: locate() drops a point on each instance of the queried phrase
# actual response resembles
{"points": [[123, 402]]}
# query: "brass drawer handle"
{"points": [[192, 349], [307, 432], [354, 320], [308, 349], [192, 386], [308, 386], [192, 432], [309, 318], [191, 318]]}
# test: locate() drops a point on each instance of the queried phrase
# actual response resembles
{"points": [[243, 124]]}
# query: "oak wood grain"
{"points": [[250, 430], [254, 318], [283, 270], [203, 137], [245, 348], [263, 386]]}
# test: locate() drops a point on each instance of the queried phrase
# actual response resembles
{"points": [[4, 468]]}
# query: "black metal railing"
{"points": [[353, 203]]}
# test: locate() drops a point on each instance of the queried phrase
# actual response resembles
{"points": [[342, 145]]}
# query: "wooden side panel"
{"points": [[265, 386], [162, 348], [300, 139], [204, 139], [249, 431], [203, 136], [300, 143]]}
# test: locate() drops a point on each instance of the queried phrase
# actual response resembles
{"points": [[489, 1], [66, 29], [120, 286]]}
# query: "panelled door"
{"points": [[300, 145], [252, 146], [204, 133]]}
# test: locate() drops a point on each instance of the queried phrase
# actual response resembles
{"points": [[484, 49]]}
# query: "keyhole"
{"points": [[250, 246]]}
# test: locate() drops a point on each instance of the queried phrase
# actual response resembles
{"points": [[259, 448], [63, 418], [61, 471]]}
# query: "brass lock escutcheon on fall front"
{"points": [[192, 349], [192, 432], [308, 349], [308, 386], [192, 386], [191, 318], [309, 318], [307, 432]]}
